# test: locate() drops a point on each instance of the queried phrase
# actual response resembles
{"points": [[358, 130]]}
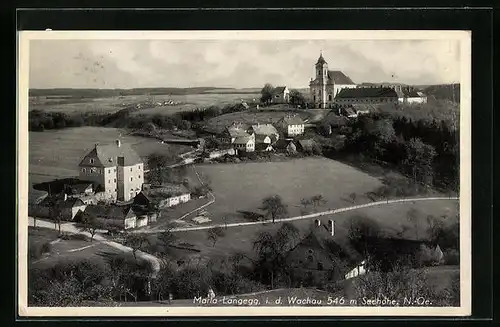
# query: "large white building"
{"points": [[115, 168], [327, 84]]}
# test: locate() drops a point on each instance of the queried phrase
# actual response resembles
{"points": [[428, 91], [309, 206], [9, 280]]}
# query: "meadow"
{"points": [[57, 153], [112, 104]]}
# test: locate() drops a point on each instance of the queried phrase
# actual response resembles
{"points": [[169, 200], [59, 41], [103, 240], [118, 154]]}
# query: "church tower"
{"points": [[322, 77]]}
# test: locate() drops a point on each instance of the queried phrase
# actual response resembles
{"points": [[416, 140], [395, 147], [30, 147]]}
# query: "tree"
{"points": [[352, 196], [271, 249], [55, 213], [435, 227], [318, 199], [267, 93], [297, 98], [274, 207], [412, 217], [305, 202], [136, 242], [214, 233], [157, 163], [91, 224], [419, 160], [167, 238]]}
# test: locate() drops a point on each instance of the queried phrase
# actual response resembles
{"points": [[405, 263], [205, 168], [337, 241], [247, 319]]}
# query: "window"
{"points": [[139, 167], [114, 170], [329, 97], [109, 181], [114, 180], [310, 251], [320, 265], [131, 178], [310, 258], [130, 168], [83, 170], [139, 176], [91, 161], [109, 171]]}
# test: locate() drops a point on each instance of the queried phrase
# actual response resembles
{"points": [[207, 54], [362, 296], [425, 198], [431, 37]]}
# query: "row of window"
{"points": [[102, 170]]}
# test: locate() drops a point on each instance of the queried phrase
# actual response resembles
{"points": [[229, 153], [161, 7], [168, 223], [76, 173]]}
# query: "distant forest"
{"points": [[104, 93], [449, 92]]}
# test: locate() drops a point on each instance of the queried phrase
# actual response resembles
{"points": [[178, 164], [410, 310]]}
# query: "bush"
{"points": [[451, 257]]}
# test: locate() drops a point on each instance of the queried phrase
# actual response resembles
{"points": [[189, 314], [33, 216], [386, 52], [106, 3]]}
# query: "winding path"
{"points": [[313, 215], [72, 229]]}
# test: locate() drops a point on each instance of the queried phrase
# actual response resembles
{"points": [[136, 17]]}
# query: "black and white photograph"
{"points": [[244, 173]]}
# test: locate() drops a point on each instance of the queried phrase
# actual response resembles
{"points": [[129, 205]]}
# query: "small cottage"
{"points": [[122, 217], [291, 125], [281, 94]]}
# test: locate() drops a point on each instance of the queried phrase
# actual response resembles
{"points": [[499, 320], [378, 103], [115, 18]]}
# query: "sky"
{"points": [[236, 63]]}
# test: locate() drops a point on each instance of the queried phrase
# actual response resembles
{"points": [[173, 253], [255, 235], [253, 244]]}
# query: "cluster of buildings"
{"points": [[332, 87], [111, 188], [261, 137]]}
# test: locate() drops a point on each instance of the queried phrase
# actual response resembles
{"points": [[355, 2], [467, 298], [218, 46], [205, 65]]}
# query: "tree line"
{"points": [[427, 151]]}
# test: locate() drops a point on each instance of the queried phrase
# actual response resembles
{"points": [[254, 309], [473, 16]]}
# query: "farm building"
{"points": [[409, 95], [122, 217], [166, 196], [80, 189], [244, 143], [69, 207], [311, 260], [265, 135], [308, 145], [327, 84], [281, 94], [367, 95], [236, 130], [385, 252], [292, 125], [116, 168]]}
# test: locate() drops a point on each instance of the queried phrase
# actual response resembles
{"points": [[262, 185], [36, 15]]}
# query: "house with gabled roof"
{"points": [[167, 195], [116, 168], [291, 125], [123, 217], [265, 136], [281, 94], [409, 95], [369, 95]]}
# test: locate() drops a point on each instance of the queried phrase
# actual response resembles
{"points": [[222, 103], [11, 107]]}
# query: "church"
{"points": [[327, 84]]}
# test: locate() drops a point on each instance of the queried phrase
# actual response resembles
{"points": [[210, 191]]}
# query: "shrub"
{"points": [[451, 257]]}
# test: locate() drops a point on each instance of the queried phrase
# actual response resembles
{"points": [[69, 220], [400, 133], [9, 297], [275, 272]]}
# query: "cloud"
{"points": [[235, 63]]}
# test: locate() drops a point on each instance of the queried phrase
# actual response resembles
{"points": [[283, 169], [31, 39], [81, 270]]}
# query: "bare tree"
{"points": [[305, 202], [55, 213], [274, 207], [92, 225], [214, 233], [317, 200], [136, 242]]}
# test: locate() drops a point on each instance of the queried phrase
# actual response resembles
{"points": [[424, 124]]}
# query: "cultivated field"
{"points": [[57, 153], [218, 123], [112, 104]]}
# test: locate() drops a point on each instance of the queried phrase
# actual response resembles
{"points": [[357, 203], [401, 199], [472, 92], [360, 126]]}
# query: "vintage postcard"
{"points": [[240, 173]]}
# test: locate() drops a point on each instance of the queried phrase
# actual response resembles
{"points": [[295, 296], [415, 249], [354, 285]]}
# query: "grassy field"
{"points": [[241, 187], [217, 124], [112, 104], [391, 218], [57, 153]]}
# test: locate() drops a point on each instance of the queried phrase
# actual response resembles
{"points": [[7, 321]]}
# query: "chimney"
{"points": [[118, 143]]}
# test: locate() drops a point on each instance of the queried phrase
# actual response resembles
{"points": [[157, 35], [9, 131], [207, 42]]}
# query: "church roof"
{"points": [[339, 77], [279, 89], [369, 92]]}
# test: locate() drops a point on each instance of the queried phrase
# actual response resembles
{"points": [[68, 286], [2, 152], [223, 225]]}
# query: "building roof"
{"points": [[110, 211], [292, 120], [70, 203], [244, 139], [36, 196], [264, 129], [409, 93], [367, 92], [259, 138], [339, 77], [237, 130], [165, 191], [279, 89], [78, 188], [107, 156], [307, 144]]}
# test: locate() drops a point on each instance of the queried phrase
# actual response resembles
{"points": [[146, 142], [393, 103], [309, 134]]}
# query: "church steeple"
{"points": [[321, 60], [321, 68]]}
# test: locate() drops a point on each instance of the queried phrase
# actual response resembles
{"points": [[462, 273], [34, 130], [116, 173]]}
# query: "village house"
{"points": [[122, 217], [79, 190], [281, 94], [235, 130], [265, 136], [163, 197], [244, 143], [116, 168], [291, 125], [70, 207], [311, 260], [409, 95], [327, 84]]}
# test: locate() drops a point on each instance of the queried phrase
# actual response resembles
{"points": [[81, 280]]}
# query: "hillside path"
{"points": [[313, 215]]}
